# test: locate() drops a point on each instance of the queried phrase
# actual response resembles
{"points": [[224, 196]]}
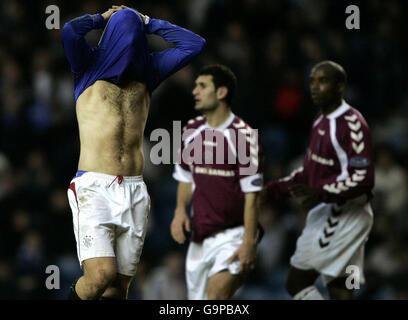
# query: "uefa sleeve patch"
{"points": [[359, 162]]}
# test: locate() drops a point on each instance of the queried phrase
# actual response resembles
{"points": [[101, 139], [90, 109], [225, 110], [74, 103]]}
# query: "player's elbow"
{"points": [[201, 43], [67, 32], [197, 46]]}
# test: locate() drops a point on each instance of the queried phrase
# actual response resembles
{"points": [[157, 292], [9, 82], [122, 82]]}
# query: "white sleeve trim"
{"points": [[341, 154], [147, 19], [247, 186], [182, 175]]}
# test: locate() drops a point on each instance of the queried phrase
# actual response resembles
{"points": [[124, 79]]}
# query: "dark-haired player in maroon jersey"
{"points": [[334, 185], [221, 172]]}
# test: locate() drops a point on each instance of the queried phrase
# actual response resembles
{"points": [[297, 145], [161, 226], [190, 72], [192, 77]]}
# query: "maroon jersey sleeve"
{"points": [[250, 159], [280, 188], [354, 150]]}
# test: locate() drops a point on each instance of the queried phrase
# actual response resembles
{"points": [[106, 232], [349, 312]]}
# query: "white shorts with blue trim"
{"points": [[110, 216]]}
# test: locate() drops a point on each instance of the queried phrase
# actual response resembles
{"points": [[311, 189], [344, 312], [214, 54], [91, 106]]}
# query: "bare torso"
{"points": [[111, 122]]}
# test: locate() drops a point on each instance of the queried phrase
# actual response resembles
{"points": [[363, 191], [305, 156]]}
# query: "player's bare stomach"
{"points": [[111, 122]]}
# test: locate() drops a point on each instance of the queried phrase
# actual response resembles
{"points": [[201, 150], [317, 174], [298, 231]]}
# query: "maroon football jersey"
{"points": [[339, 161], [223, 164]]}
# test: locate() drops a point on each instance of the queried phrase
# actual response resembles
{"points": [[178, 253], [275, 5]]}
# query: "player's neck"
{"points": [[218, 116], [326, 110]]}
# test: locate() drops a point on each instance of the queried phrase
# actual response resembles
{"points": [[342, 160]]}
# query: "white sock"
{"points": [[309, 293]]}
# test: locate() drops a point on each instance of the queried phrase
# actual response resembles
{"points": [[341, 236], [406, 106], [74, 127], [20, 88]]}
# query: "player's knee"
{"points": [[102, 277], [121, 283]]}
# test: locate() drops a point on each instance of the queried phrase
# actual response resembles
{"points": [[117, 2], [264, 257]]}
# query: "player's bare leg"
{"points": [[119, 287], [338, 291], [223, 285], [300, 284], [99, 273]]}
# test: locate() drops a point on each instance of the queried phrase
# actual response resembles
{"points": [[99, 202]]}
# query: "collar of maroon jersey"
{"points": [[224, 125], [339, 111]]}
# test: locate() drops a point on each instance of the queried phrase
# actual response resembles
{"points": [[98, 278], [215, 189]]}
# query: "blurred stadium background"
{"points": [[271, 46]]}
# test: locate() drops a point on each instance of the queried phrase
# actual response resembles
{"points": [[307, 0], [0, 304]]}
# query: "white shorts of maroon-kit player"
{"points": [[209, 257], [333, 239], [110, 218]]}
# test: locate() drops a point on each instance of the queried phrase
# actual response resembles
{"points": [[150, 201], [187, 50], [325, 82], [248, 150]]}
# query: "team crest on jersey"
{"points": [[359, 162], [257, 182]]}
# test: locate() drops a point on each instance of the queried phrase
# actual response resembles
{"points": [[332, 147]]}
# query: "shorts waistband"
{"points": [[109, 177]]}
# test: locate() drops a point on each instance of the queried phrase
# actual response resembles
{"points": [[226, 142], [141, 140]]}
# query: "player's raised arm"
{"points": [[75, 46], [187, 46]]}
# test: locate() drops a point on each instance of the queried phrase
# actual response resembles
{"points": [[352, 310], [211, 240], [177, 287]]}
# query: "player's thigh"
{"points": [[197, 271], [298, 279], [100, 270], [132, 231], [223, 285], [92, 218], [129, 246]]}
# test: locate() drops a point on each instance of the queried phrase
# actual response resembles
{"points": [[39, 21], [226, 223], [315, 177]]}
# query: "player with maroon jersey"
{"points": [[334, 185], [220, 170]]}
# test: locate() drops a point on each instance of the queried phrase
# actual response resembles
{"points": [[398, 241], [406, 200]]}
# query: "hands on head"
{"points": [[107, 14]]}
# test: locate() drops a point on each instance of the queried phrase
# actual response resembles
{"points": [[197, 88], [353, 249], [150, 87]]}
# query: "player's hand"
{"points": [[246, 254], [106, 15], [305, 195], [180, 222]]}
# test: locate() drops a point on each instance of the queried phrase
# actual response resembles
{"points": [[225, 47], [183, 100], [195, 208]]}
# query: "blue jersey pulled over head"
{"points": [[122, 53]]}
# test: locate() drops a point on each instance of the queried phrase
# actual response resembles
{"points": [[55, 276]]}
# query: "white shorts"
{"points": [[110, 218], [210, 257], [329, 243]]}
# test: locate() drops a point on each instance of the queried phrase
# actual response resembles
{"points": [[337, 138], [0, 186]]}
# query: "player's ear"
{"points": [[222, 93], [340, 87]]}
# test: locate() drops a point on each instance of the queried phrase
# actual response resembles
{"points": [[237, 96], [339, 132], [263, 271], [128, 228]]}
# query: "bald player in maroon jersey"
{"points": [[224, 189], [334, 186]]}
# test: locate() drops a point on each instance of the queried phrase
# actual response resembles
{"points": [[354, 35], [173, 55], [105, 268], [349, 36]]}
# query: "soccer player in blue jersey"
{"points": [[113, 83]]}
